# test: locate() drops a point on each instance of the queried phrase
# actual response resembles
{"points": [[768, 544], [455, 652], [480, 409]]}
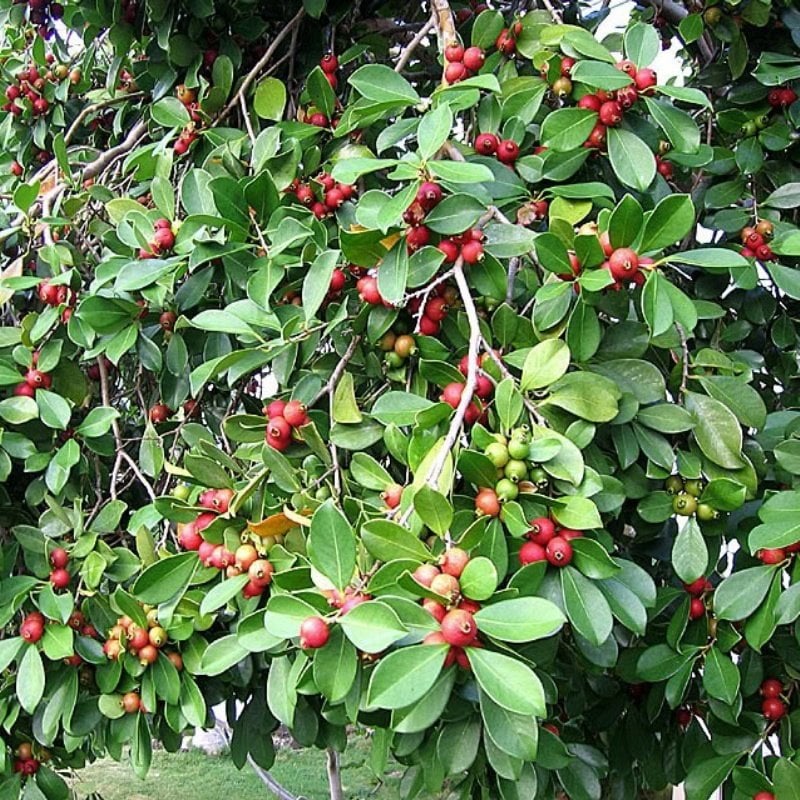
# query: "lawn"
{"points": [[202, 777]]}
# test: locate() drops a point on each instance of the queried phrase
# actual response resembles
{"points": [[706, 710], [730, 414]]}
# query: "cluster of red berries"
{"points": [[506, 41], [162, 242], [283, 418], [623, 263], [25, 763], [547, 542], [506, 151], [535, 209], [465, 14], [188, 135], [329, 65], [781, 96], [697, 590], [611, 106], [325, 198], [143, 644], [59, 575], [33, 379], [772, 706], [462, 63], [431, 315], [476, 411], [467, 245], [754, 241], [457, 627], [29, 84]]}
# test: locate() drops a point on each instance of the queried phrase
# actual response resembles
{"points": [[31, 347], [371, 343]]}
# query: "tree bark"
{"points": [[334, 775]]}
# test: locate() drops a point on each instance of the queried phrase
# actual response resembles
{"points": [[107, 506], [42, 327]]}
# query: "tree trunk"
{"points": [[334, 775]]}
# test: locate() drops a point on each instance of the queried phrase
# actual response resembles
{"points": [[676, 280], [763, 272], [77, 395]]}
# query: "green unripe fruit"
{"points": [[498, 437], [393, 361], [684, 504], [181, 491], [694, 487], [498, 454], [516, 470], [506, 490], [705, 513], [518, 448], [674, 484], [762, 121], [538, 476], [749, 129]]}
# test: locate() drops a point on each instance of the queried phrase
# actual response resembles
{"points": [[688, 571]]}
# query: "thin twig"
{"points": [[684, 361], [246, 117], [99, 106], [260, 64], [330, 386], [409, 49]]}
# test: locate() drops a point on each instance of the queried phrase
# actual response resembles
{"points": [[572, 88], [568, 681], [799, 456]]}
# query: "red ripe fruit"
{"points": [[764, 253], [645, 79], [473, 58], [695, 588], [473, 413], [665, 169], [48, 293], [455, 72], [425, 573], [368, 290], [167, 321], [487, 503], [159, 413], [459, 628], [305, 194], [163, 239], [40, 105], [221, 500], [204, 520], [188, 537], [764, 796], [472, 252], [436, 610], [417, 237], [338, 280], [486, 144], [24, 390], [32, 627], [623, 263], [627, 97], [507, 151], [295, 413], [16, 169], [319, 119], [454, 561], [138, 639], [591, 102], [774, 98], [429, 195], [788, 96], [428, 326], [38, 379], [611, 113], [250, 589], [454, 53], [697, 608], [279, 431], [542, 530], [451, 394], [773, 709], [505, 42], [754, 240], [436, 309], [774, 555], [567, 64], [59, 558], [627, 67], [329, 63], [392, 495], [450, 250], [771, 687], [559, 552], [319, 210], [260, 572], [597, 138], [531, 552], [484, 388], [275, 408], [314, 633], [59, 578], [334, 198], [206, 552]]}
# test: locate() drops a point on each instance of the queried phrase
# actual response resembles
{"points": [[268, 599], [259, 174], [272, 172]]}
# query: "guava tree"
{"points": [[425, 368]]}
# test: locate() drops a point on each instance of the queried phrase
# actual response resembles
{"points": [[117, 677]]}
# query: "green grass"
{"points": [[195, 775]]}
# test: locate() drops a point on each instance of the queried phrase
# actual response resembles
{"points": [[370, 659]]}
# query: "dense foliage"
{"points": [[431, 370]]}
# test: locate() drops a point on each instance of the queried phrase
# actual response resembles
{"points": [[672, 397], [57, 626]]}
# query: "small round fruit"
{"points": [[59, 578], [392, 495], [531, 553], [137, 639], [684, 504], [772, 555], [425, 573], [486, 144], [455, 72], [487, 503], [695, 588], [542, 530], [498, 454], [507, 151], [694, 487], [131, 702], [260, 572], [623, 263], [176, 659], [705, 513], [562, 87], [159, 413], [697, 608], [314, 633], [673, 484], [405, 346], [295, 413], [148, 655], [454, 561], [59, 558], [445, 585], [559, 552], [473, 58], [436, 610], [611, 113], [764, 795], [773, 709], [771, 687], [518, 448], [158, 636], [454, 52], [329, 63], [506, 490], [516, 471], [472, 252], [459, 628]]}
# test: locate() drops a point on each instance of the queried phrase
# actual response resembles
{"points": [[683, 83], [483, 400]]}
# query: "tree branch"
{"points": [[409, 49], [94, 168], [334, 775], [90, 109], [330, 386], [260, 64]]}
